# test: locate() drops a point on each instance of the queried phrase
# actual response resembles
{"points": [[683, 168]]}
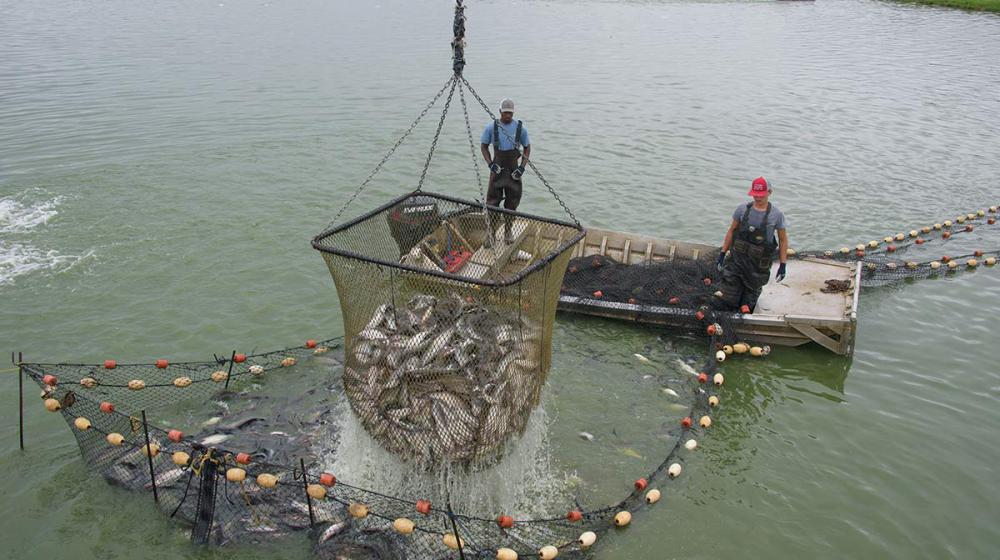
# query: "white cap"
{"points": [[507, 106]]}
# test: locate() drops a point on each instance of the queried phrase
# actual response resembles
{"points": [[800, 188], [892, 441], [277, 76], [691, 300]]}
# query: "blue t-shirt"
{"points": [[775, 220], [506, 140]]}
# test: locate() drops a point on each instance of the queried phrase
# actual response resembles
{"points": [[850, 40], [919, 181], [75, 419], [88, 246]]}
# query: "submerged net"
{"points": [[448, 317]]}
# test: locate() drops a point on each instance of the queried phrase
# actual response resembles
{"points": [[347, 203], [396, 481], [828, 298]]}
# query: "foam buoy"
{"points": [[978, 253], [257, 369], [115, 438], [845, 250], [318, 492], [720, 356], [993, 208], [890, 266], [452, 542], [151, 450], [50, 379], [913, 233], [937, 226], [180, 458], [926, 229], [423, 506], [859, 254], [267, 480], [573, 516], [403, 526], [88, 382], [828, 253], [947, 223], [587, 539], [686, 422], [919, 241], [652, 496], [505, 521], [674, 470], [236, 474], [791, 252], [182, 382], [719, 294], [960, 219], [623, 518], [81, 423], [713, 329], [991, 220], [175, 435], [727, 349], [741, 348], [873, 244], [699, 315], [548, 552], [935, 265], [691, 444], [219, 376], [707, 281], [310, 343], [990, 261], [641, 484], [137, 384], [900, 237], [912, 265], [162, 364], [946, 259], [321, 350], [327, 479], [705, 421], [888, 239], [952, 265], [891, 248], [702, 377], [357, 510], [598, 294], [506, 554], [239, 358], [756, 351], [968, 227], [107, 407], [288, 362], [713, 400], [53, 405], [674, 300], [946, 235], [972, 263], [243, 458], [718, 379], [110, 364], [859, 247]]}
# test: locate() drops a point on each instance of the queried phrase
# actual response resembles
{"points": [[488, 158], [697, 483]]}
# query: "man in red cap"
{"points": [[756, 233]]}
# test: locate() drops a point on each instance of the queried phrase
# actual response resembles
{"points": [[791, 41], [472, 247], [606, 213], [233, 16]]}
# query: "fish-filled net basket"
{"points": [[448, 309]]}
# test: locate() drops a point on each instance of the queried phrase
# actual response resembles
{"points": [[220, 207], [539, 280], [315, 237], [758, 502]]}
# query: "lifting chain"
{"points": [[531, 164], [475, 160], [437, 133], [391, 151]]}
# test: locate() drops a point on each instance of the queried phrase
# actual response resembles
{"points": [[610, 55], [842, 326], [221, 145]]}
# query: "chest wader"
{"points": [[503, 187], [748, 267]]}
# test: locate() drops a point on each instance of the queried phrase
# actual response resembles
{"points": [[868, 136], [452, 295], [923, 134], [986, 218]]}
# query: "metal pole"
{"points": [[149, 456], [20, 398], [305, 486], [230, 372]]}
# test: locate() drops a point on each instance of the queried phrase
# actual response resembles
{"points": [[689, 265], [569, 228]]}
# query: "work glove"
{"points": [[780, 275], [720, 260], [495, 168], [517, 172]]}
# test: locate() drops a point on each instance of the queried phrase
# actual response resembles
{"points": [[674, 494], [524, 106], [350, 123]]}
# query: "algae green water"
{"points": [[164, 164]]}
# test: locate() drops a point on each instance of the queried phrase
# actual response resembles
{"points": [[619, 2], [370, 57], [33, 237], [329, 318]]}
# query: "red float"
{"points": [[423, 506], [641, 484], [572, 270], [243, 458], [744, 308], [891, 248], [702, 377], [919, 241], [505, 521], [574, 515], [968, 227], [50, 379], [675, 300], [175, 435], [707, 281], [945, 259], [699, 315], [162, 364], [991, 221], [711, 330], [631, 300], [978, 253], [327, 479], [946, 235], [310, 343], [686, 422], [240, 358], [107, 407], [598, 294], [110, 364], [861, 254]]}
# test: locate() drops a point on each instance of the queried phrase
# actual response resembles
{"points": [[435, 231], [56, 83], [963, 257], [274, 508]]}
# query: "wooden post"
{"points": [[305, 487], [20, 398], [230, 372], [149, 456]]}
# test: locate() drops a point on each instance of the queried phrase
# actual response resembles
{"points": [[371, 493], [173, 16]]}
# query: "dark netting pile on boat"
{"points": [[448, 317]]}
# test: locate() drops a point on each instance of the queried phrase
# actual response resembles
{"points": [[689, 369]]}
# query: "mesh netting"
{"points": [[448, 318]]}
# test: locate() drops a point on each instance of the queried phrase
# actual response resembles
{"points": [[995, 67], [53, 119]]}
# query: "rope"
{"points": [[531, 164]]}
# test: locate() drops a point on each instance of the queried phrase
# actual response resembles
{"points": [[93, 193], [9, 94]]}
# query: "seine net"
{"points": [[448, 313]]}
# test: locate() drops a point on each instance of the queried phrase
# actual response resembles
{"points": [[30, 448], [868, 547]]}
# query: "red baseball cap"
{"points": [[759, 187]]}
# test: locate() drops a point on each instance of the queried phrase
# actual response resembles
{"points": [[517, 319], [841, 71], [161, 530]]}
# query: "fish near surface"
{"points": [[345, 541]]}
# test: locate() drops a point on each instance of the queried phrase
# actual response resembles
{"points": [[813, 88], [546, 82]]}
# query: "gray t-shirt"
{"points": [[775, 220]]}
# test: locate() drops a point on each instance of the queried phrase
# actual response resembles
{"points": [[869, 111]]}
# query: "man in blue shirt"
{"points": [[507, 162], [756, 233]]}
